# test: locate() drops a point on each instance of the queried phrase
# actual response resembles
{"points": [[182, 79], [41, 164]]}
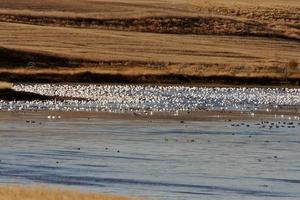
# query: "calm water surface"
{"points": [[160, 159]]}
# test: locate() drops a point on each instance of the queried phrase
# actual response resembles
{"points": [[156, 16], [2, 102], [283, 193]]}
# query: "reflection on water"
{"points": [[158, 159], [122, 98]]}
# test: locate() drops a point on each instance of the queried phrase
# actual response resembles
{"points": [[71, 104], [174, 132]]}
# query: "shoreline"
{"points": [[196, 116]]}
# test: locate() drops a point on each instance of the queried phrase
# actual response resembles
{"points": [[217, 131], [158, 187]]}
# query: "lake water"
{"points": [[158, 159]]}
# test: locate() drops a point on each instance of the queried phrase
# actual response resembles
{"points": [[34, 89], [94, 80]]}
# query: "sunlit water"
{"points": [[160, 159], [123, 98]]}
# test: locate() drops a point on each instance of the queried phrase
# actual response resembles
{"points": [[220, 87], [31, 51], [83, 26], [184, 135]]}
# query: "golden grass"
{"points": [[278, 18], [42, 193], [117, 45], [200, 55], [136, 8], [5, 85]]}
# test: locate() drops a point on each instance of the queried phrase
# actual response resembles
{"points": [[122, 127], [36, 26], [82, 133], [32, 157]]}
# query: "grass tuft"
{"points": [[5, 85]]}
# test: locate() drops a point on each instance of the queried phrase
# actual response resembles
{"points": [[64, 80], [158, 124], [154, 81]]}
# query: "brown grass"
{"points": [[132, 37], [138, 8], [104, 51], [41, 193], [177, 17]]}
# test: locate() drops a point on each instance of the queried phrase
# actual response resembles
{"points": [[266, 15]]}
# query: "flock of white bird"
{"points": [[148, 98]]}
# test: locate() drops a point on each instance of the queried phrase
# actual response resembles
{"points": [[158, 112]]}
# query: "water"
{"points": [[140, 98], [157, 159], [160, 159]]}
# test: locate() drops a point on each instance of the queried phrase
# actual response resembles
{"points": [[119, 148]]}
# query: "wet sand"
{"points": [[284, 113]]}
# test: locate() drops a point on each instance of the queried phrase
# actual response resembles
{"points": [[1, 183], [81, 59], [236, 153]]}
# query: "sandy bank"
{"points": [[38, 193]]}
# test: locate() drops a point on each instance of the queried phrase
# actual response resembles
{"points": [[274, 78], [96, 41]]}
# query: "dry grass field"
{"points": [[40, 193], [190, 38]]}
